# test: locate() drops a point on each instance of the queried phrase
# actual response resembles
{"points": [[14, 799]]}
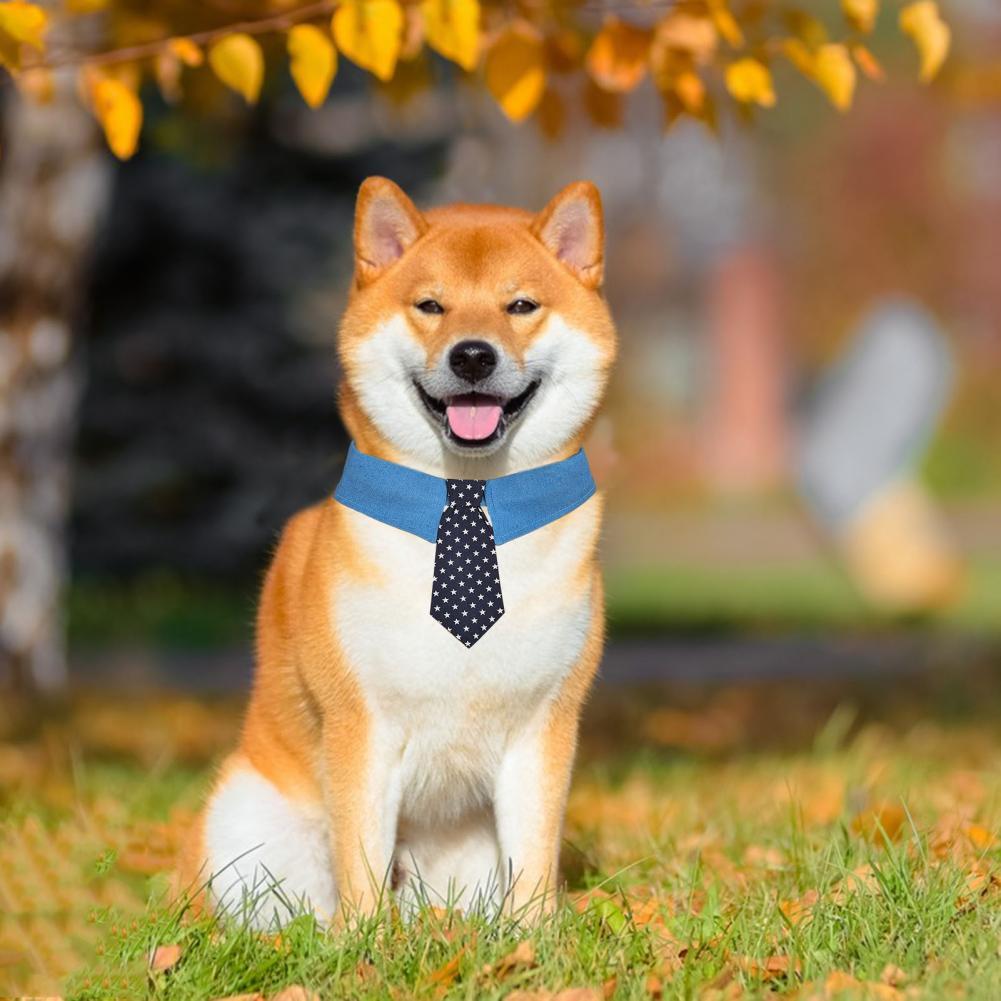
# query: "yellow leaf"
{"points": [[617, 59], [867, 62], [516, 70], [369, 33], [313, 62], [167, 70], [805, 26], [796, 51], [237, 61], [186, 50], [726, 23], [602, 106], [834, 72], [922, 22], [750, 82], [24, 22], [861, 14], [690, 91], [452, 28], [36, 84], [120, 113], [552, 114], [696, 36]]}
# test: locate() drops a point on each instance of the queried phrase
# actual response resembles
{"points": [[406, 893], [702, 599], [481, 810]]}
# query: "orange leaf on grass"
{"points": [[880, 822], [521, 957], [164, 957], [296, 992]]}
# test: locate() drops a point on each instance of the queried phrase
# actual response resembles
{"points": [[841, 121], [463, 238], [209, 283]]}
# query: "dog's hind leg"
{"points": [[455, 866], [261, 855]]}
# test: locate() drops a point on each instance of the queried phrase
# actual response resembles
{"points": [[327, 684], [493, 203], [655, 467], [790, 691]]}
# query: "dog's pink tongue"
{"points": [[473, 416]]}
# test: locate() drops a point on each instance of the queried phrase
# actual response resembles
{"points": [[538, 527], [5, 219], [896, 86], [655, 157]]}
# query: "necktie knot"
{"points": [[466, 493]]}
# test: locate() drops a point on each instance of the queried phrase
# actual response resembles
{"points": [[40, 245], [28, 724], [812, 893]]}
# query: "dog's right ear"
{"points": [[386, 224]]}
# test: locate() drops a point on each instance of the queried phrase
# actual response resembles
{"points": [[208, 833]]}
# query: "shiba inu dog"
{"points": [[381, 752]]}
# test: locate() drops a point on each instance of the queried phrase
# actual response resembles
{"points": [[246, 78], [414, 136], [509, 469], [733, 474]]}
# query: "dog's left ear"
{"points": [[571, 226], [386, 224]]}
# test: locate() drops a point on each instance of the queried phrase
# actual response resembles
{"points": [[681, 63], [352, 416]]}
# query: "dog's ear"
{"points": [[386, 224], [571, 226]]}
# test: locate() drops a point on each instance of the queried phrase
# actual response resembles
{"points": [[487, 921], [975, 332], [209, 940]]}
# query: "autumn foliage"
{"points": [[697, 53]]}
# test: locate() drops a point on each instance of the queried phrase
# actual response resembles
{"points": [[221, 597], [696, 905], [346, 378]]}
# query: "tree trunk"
{"points": [[54, 181]]}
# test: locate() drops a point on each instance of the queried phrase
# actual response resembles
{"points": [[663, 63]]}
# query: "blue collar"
{"points": [[413, 501]]}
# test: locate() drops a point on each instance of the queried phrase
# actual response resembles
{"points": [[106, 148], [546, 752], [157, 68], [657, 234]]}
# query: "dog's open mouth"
{"points": [[476, 419]]}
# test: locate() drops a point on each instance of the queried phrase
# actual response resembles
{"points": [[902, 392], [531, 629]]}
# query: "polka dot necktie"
{"points": [[466, 594]]}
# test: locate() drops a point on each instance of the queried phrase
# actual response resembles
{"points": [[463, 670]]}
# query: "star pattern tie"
{"points": [[466, 594]]}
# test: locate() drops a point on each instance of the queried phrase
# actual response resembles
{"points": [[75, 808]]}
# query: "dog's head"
{"points": [[476, 339]]}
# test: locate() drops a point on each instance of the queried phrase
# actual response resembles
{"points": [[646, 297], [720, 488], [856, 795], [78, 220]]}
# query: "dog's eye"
{"points": [[431, 306], [522, 306]]}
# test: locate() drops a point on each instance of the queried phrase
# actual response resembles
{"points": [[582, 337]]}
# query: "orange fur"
{"points": [[308, 727]]}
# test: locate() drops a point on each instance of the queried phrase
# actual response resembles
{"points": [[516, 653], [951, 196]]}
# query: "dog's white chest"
{"points": [[452, 709]]}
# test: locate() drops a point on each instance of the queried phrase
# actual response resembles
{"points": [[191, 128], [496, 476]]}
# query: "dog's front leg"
{"points": [[363, 801], [534, 779], [530, 799]]}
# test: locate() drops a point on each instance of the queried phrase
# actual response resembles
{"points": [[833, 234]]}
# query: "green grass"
{"points": [[799, 595], [749, 842], [167, 613]]}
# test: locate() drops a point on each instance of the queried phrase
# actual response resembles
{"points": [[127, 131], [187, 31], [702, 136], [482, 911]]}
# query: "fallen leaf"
{"points": [[312, 62], [238, 62], [295, 992], [452, 28], [164, 957], [881, 822], [520, 958], [981, 837], [796, 911], [370, 33], [445, 975], [579, 994], [923, 24], [838, 980], [893, 975]]}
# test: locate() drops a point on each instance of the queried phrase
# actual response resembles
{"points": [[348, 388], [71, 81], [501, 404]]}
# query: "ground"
{"points": [[809, 840]]}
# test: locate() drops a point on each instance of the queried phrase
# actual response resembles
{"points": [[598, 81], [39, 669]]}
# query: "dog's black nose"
{"points": [[472, 360]]}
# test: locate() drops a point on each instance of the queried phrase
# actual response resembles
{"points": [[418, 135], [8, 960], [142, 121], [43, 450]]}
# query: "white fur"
{"points": [[268, 855], [457, 732], [449, 716], [572, 369]]}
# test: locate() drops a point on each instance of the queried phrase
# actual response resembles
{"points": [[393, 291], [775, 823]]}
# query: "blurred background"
{"points": [[801, 445]]}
